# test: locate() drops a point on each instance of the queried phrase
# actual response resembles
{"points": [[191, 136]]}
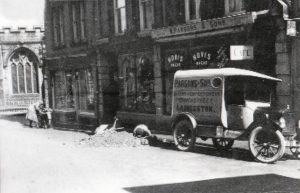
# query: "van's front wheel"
{"points": [[184, 135], [266, 145]]}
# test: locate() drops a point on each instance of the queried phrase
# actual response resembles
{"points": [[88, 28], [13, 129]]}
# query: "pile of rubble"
{"points": [[106, 136]]}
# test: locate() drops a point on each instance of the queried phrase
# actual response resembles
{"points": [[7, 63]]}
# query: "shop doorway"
{"points": [[110, 102]]}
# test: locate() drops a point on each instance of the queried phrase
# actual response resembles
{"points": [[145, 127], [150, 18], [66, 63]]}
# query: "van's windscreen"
{"points": [[258, 90]]}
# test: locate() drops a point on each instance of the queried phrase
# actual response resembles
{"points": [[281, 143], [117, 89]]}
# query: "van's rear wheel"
{"points": [[222, 144], [184, 135], [266, 145]]}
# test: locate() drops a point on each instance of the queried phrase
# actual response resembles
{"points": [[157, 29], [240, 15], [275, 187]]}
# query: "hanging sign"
{"points": [[241, 52]]}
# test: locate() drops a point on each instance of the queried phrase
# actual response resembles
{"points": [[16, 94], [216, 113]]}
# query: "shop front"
{"points": [[136, 87], [72, 91], [244, 41]]}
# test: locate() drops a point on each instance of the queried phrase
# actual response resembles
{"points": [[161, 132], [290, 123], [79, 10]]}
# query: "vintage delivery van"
{"points": [[230, 104]]}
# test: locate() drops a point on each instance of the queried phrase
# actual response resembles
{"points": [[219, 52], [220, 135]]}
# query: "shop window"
{"points": [[120, 16], [23, 73], [128, 74], [70, 100], [78, 22], [63, 90], [146, 14], [234, 6], [58, 26], [192, 9], [145, 86], [137, 87], [59, 90], [86, 90], [174, 60]]}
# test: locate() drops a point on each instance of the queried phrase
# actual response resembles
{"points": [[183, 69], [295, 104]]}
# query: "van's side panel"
{"points": [[197, 96]]}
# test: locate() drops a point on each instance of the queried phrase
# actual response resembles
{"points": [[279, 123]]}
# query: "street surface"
{"points": [[52, 161]]}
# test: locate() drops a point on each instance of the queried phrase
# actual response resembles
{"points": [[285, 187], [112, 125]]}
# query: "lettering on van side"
{"points": [[193, 108], [192, 83]]}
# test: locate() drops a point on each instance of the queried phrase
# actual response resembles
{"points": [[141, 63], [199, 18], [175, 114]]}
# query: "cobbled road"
{"points": [[52, 161]]}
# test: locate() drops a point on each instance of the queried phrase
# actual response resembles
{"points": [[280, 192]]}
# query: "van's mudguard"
{"points": [[181, 116], [267, 124]]}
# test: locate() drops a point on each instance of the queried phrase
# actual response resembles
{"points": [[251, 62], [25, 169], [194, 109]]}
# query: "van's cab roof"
{"points": [[223, 72]]}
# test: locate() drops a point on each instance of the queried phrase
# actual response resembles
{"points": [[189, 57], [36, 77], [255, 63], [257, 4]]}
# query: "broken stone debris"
{"points": [[114, 138]]}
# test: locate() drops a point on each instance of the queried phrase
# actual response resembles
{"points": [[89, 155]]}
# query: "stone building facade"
{"points": [[118, 57], [20, 68]]}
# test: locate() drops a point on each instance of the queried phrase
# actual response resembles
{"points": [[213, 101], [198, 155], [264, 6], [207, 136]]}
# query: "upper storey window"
{"points": [[78, 22], [58, 26], [146, 14], [120, 16], [234, 6], [192, 9]]}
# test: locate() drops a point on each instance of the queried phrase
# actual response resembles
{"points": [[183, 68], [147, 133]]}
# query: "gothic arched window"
{"points": [[24, 74]]}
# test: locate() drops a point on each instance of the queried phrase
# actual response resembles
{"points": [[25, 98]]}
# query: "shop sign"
{"points": [[201, 59], [175, 61], [291, 28], [207, 25], [241, 52]]}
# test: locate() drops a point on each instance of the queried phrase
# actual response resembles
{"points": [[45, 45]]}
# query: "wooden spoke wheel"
{"points": [[266, 145], [184, 135]]}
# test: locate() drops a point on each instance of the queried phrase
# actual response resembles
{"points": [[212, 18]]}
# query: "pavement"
{"points": [[41, 161]]}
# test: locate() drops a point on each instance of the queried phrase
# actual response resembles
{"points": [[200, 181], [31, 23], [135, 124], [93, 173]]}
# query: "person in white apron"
{"points": [[31, 113]]}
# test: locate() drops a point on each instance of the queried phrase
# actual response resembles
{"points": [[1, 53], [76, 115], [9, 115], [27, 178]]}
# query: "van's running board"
{"points": [[210, 131]]}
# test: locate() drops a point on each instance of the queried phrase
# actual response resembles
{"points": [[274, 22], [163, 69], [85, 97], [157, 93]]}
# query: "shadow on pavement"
{"points": [[269, 183], [235, 153], [15, 118], [207, 149]]}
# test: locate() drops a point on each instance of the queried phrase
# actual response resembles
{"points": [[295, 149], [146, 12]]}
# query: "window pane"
{"points": [[35, 78], [86, 95], [90, 91], [120, 3], [192, 9], [145, 85], [1, 94], [168, 91], [70, 102], [232, 6], [144, 7], [128, 85], [123, 19], [21, 78], [59, 90], [28, 78], [14, 78]]}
